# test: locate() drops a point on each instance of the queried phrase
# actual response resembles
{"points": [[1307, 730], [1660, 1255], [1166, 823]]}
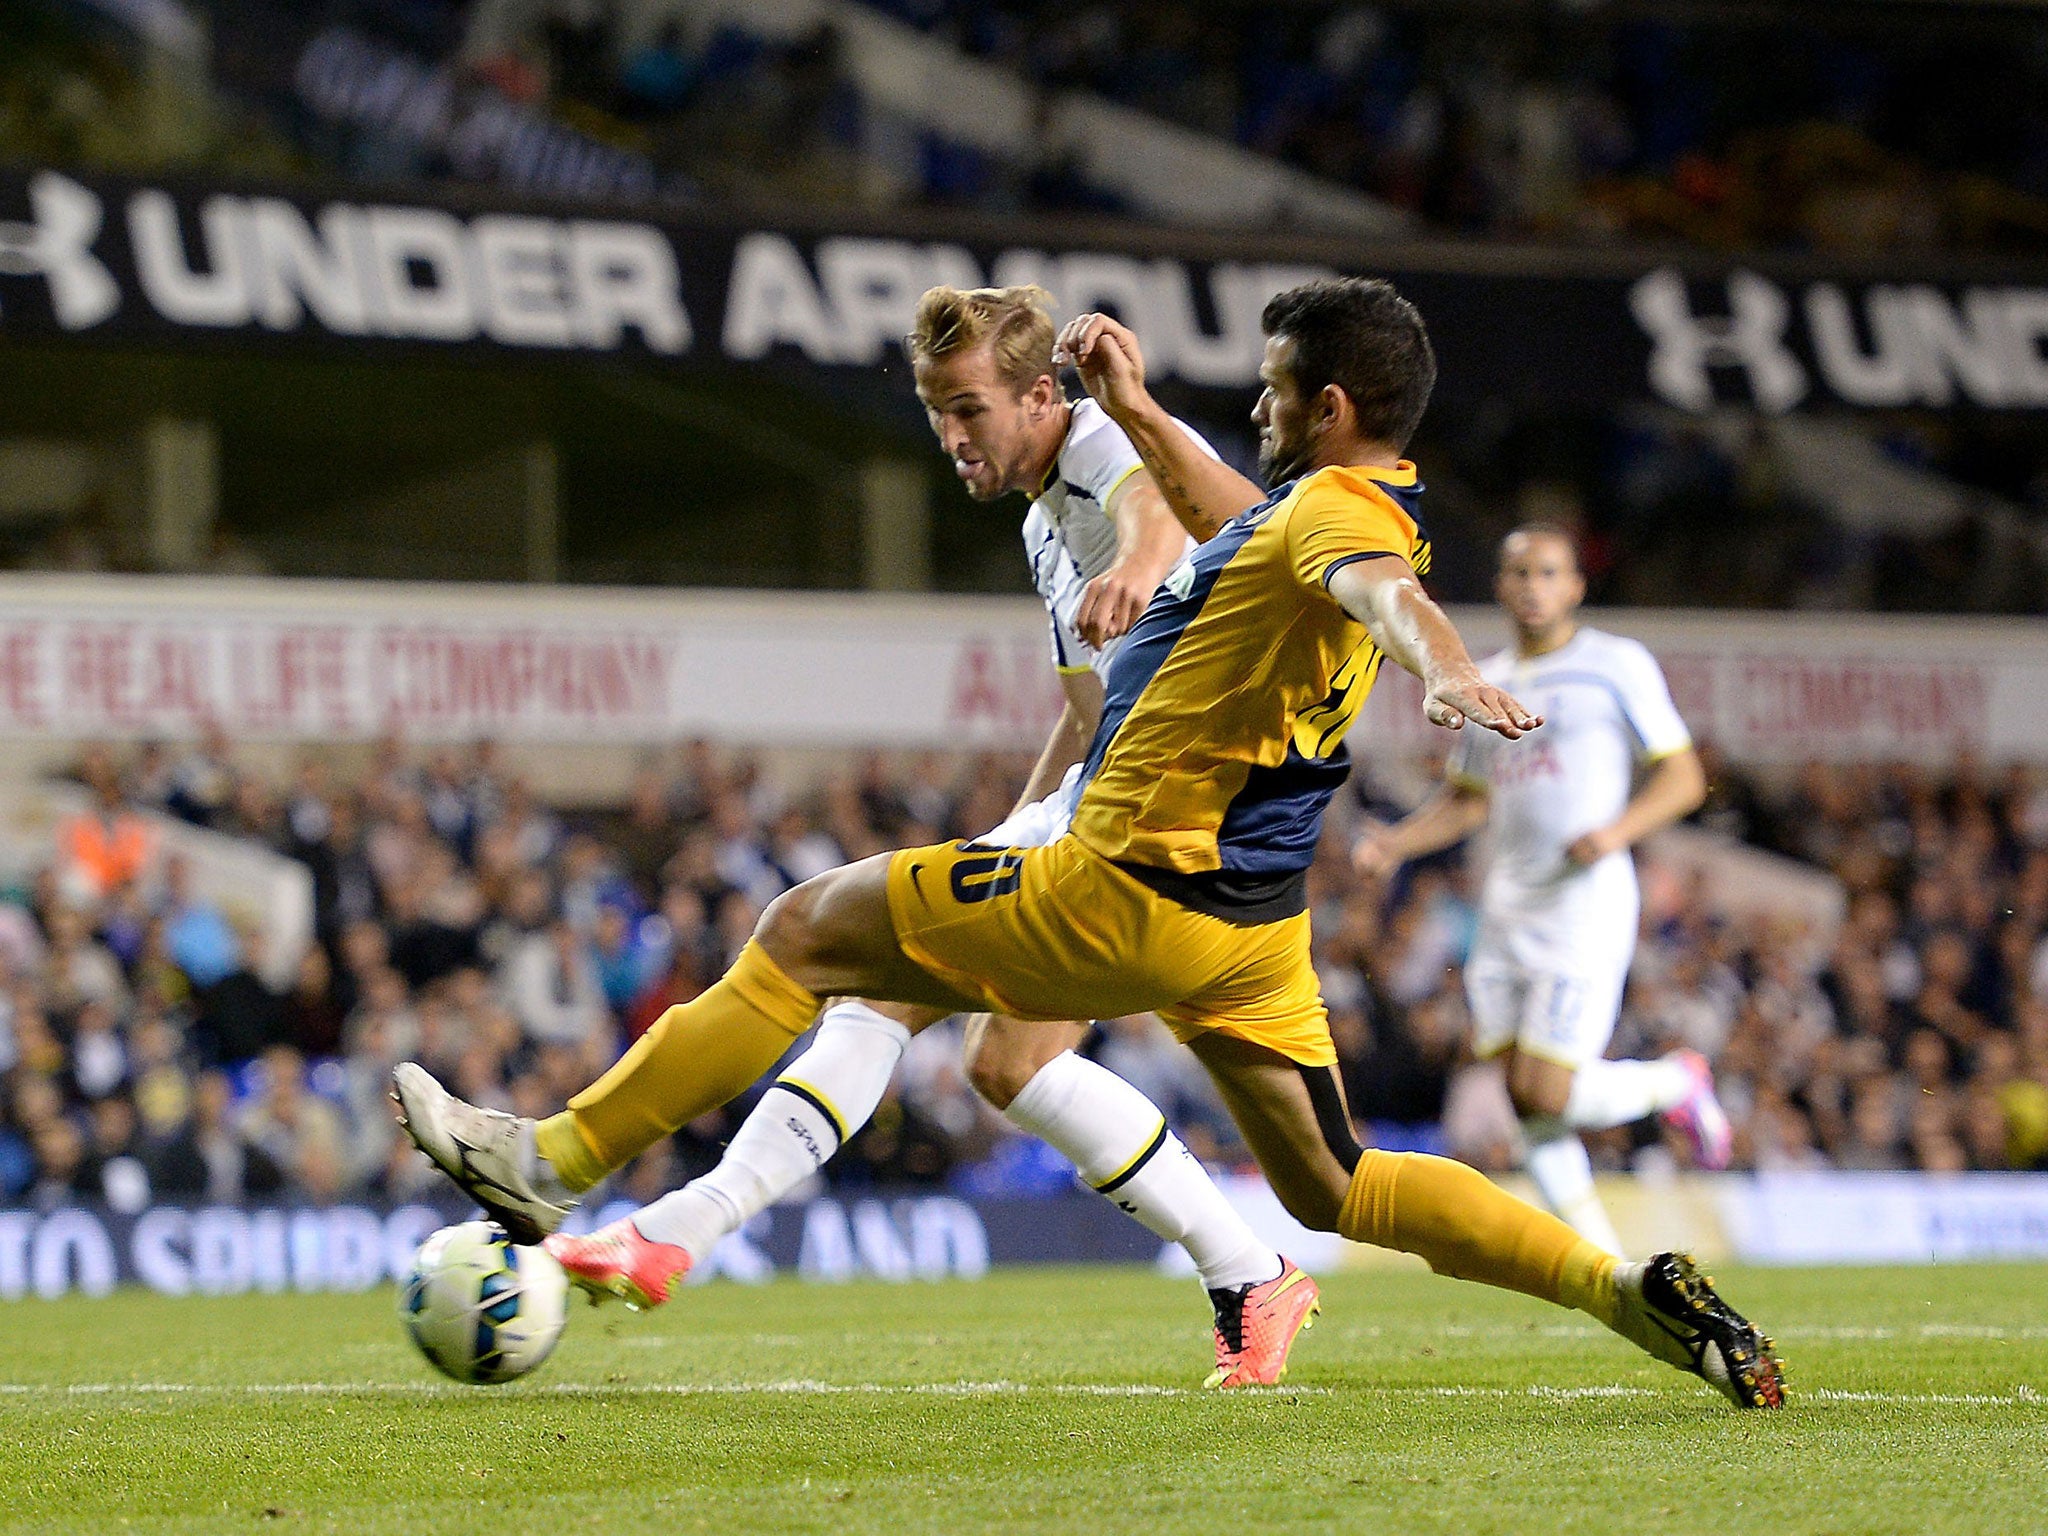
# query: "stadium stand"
{"points": [[145, 1033], [1748, 127], [515, 948], [1800, 129]]}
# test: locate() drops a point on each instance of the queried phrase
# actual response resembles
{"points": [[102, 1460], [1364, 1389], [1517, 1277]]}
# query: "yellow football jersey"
{"points": [[1222, 735]]}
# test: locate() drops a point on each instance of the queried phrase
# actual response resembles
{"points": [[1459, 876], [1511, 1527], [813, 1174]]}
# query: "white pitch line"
{"points": [[622, 1389], [1543, 1394], [1856, 1333], [1928, 1332], [2020, 1397], [1853, 1333]]}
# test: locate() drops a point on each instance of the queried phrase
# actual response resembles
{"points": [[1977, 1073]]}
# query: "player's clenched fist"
{"points": [[1376, 854], [1111, 604], [1105, 354]]}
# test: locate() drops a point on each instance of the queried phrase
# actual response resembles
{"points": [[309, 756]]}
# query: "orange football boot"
{"points": [[1256, 1326], [617, 1261]]}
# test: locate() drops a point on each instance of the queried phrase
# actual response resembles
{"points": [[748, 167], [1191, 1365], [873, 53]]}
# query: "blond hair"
{"points": [[1016, 323]]}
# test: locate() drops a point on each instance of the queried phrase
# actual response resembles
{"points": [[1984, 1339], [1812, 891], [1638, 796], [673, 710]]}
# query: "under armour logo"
{"points": [[1751, 337], [57, 245]]}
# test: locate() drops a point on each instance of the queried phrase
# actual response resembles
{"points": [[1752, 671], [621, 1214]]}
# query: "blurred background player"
{"points": [[1099, 537], [1559, 913]]}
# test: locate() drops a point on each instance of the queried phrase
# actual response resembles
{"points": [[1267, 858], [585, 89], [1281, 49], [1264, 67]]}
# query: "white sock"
{"points": [[1562, 1170], [1606, 1093], [823, 1097], [1119, 1142]]}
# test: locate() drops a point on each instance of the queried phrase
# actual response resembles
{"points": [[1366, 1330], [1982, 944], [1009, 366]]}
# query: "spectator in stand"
{"points": [[107, 846], [551, 988], [79, 969], [149, 776], [197, 935], [161, 1080], [302, 1134], [345, 887], [449, 804], [97, 1054], [647, 839], [240, 1017], [208, 1159], [313, 1015], [64, 1176], [201, 785], [623, 957], [34, 1102], [688, 955], [116, 1172], [433, 916]]}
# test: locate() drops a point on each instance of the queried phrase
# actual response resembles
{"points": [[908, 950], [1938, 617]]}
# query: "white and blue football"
{"points": [[482, 1310]]}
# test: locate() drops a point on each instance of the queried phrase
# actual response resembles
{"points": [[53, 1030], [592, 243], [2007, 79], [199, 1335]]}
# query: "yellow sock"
{"points": [[697, 1055], [1466, 1227]]}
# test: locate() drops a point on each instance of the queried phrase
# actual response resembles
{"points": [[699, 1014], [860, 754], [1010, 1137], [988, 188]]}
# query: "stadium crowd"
{"points": [[1779, 127], [1554, 122], [1801, 128], [148, 1050]]}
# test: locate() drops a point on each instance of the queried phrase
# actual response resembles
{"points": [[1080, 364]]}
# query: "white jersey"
{"points": [[1069, 536], [1605, 710]]}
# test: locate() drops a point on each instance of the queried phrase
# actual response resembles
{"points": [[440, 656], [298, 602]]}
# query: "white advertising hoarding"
{"points": [[290, 660], [1886, 1218]]}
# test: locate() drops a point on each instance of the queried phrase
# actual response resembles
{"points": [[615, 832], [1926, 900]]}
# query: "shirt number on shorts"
{"points": [[988, 876]]}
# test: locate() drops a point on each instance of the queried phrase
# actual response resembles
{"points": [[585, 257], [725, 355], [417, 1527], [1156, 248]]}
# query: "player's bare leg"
{"points": [[1555, 1102], [1551, 1150], [1453, 1217], [832, 935], [1002, 1056]]}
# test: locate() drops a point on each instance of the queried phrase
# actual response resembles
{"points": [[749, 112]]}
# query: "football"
{"points": [[480, 1308]]}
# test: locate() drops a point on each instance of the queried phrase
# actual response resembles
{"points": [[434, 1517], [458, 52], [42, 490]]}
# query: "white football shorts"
{"points": [[1563, 1015]]}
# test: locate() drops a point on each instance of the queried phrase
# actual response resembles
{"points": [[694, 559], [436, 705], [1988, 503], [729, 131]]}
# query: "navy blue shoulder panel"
{"points": [[1273, 823], [1275, 820], [1409, 499], [1160, 627]]}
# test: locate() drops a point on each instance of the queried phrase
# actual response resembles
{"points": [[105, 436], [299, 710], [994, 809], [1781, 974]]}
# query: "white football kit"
{"points": [[1069, 536], [1070, 539], [1555, 939]]}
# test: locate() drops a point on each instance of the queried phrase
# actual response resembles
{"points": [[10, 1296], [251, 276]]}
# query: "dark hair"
{"points": [[1360, 335]]}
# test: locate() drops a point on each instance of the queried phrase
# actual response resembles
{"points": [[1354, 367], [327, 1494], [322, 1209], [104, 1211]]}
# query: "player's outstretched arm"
{"points": [[1203, 492], [1453, 813], [1385, 596], [1069, 740]]}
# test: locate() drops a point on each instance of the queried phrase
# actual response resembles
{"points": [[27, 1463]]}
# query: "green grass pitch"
{"points": [[1035, 1400]]}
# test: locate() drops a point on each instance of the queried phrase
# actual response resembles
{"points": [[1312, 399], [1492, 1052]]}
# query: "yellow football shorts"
{"points": [[1061, 933]]}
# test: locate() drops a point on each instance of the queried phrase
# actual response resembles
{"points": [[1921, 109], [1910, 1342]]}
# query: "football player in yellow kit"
{"points": [[1180, 888]]}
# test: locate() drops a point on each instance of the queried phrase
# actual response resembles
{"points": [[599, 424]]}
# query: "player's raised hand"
{"points": [[1110, 605], [1453, 701], [1106, 355]]}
